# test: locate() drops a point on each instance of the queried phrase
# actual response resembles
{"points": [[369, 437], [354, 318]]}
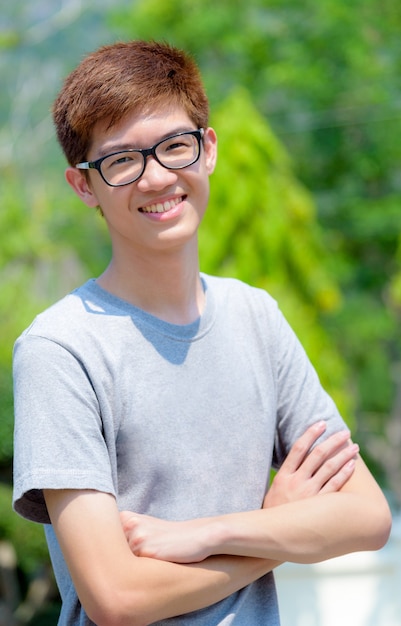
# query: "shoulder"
{"points": [[245, 306], [252, 313], [78, 319], [59, 332], [236, 289], [59, 315]]}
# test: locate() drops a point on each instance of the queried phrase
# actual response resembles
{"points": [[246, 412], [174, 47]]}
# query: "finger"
{"points": [[320, 454], [125, 515], [302, 446], [335, 464], [339, 479], [129, 520]]}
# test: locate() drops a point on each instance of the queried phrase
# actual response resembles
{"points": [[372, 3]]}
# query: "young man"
{"points": [[151, 403]]}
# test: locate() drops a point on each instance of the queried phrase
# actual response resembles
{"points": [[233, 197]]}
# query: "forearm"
{"points": [[308, 530], [319, 529], [117, 587], [313, 529], [168, 589], [339, 509]]}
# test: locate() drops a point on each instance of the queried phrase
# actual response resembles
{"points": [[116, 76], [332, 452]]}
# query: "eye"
{"points": [[177, 144], [121, 159], [126, 158]]}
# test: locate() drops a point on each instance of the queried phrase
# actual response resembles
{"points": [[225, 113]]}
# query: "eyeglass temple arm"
{"points": [[87, 165]]}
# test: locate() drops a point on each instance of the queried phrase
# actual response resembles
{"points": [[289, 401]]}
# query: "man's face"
{"points": [[133, 212]]}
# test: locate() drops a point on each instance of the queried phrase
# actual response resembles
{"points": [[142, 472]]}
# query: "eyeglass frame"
{"points": [[145, 152]]}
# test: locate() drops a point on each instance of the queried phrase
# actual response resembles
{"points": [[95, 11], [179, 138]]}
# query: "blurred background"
{"points": [[305, 202]]}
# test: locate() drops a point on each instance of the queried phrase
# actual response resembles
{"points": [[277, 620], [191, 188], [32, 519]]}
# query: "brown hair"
{"points": [[121, 78]]}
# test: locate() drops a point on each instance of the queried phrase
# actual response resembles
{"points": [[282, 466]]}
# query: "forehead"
{"points": [[138, 130]]}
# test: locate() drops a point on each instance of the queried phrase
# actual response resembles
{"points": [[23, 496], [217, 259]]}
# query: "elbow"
{"points": [[115, 617], [119, 609], [382, 527], [374, 528]]}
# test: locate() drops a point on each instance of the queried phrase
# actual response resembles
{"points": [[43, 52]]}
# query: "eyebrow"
{"points": [[122, 147]]}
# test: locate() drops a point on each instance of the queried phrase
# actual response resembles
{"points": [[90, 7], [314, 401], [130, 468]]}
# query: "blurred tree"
{"points": [[261, 227]]}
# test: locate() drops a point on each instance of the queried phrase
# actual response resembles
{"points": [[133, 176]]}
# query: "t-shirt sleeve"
{"points": [[301, 399], [59, 441]]}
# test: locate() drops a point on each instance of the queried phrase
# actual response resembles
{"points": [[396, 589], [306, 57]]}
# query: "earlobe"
{"points": [[79, 183], [210, 144]]}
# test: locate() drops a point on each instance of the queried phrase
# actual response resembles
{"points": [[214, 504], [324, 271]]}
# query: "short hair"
{"points": [[122, 78]]}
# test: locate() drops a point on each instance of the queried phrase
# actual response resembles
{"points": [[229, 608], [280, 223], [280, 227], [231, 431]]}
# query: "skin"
{"points": [[130, 569]]}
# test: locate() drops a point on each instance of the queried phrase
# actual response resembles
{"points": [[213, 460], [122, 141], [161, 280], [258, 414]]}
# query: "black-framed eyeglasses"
{"points": [[126, 166]]}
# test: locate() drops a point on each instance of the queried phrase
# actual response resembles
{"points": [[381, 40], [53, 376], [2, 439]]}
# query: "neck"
{"points": [[166, 285]]}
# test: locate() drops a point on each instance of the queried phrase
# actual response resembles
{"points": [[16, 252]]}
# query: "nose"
{"points": [[155, 176]]}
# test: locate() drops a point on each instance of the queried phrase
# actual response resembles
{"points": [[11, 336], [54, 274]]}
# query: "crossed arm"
{"points": [[293, 525], [133, 570]]}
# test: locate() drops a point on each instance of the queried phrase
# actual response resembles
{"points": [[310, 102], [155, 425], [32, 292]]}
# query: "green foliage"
{"points": [[50, 248], [9, 39], [18, 252], [27, 538], [394, 292], [261, 227], [6, 415]]}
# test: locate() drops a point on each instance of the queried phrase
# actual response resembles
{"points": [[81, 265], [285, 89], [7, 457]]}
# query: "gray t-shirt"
{"points": [[176, 421]]}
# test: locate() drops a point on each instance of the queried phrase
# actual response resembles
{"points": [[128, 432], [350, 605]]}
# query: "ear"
{"points": [[210, 147], [80, 184]]}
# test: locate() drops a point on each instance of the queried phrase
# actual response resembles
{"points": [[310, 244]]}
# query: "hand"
{"points": [[306, 473], [178, 542]]}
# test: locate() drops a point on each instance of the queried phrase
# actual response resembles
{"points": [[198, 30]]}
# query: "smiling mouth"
{"points": [[161, 207]]}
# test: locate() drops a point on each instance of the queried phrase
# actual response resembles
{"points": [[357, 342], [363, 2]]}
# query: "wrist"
{"points": [[219, 536], [216, 536]]}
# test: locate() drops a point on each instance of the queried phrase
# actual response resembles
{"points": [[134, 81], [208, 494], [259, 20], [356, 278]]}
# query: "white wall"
{"points": [[361, 589]]}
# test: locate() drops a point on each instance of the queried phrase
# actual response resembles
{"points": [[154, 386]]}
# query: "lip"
{"points": [[162, 210]]}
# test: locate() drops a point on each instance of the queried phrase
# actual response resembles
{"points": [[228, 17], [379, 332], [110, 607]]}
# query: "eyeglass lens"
{"points": [[173, 153]]}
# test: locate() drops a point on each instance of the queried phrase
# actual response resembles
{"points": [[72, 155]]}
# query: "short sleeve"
{"points": [[59, 440], [301, 399]]}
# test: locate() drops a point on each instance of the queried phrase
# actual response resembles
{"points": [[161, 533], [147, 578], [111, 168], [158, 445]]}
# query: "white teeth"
{"points": [[161, 208]]}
